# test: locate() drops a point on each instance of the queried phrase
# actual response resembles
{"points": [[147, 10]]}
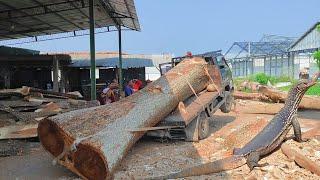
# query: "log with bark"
{"points": [[250, 96], [307, 102], [92, 142]]}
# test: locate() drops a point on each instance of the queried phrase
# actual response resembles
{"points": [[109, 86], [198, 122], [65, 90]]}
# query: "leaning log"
{"points": [[92, 142]]}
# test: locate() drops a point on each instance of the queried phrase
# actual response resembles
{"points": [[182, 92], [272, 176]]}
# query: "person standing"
{"points": [[128, 90], [137, 84]]}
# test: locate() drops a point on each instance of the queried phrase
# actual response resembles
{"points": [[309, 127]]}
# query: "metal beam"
{"points": [[92, 51], [120, 60], [26, 14], [47, 9], [84, 14], [109, 10]]}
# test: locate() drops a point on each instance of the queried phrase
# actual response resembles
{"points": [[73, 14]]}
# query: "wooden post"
{"points": [[55, 70]]}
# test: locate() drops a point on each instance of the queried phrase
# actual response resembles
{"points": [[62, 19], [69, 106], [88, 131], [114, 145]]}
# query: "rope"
{"points": [[214, 84], [192, 89]]}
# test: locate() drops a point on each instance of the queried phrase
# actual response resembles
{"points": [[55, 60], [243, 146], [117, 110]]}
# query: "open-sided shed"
{"points": [[38, 20]]}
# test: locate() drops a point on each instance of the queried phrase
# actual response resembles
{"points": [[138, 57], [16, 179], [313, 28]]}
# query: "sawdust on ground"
{"points": [[154, 158]]}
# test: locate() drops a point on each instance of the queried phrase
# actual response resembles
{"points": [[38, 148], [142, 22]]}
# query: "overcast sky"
{"points": [[177, 26]]}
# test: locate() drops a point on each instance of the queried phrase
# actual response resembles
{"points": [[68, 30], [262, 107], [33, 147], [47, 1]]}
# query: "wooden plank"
{"points": [[19, 131]]}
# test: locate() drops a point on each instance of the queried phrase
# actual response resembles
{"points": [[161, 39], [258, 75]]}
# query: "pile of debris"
{"points": [[21, 110]]}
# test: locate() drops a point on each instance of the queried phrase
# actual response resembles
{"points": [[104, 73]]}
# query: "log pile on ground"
{"points": [[21, 109], [268, 94], [92, 142]]}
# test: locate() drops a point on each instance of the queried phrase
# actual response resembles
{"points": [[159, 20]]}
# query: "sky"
{"points": [[178, 26]]}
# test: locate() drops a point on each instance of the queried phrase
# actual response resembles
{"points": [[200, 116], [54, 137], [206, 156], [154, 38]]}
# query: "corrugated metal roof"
{"points": [[309, 40], [29, 18], [156, 58], [5, 50], [114, 62]]}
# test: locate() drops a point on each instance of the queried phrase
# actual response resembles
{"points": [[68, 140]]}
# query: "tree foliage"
{"points": [[316, 56]]}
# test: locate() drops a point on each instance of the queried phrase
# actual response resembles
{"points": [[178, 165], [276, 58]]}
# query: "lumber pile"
{"points": [[21, 109], [92, 142]]}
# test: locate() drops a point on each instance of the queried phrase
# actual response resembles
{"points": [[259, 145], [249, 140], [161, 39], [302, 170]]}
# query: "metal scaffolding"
{"points": [[269, 55]]}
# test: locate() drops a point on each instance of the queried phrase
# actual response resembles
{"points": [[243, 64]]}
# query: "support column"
{"points": [[264, 64], [270, 70], [55, 70], [120, 61], [276, 70], [289, 56], [92, 51], [293, 69]]}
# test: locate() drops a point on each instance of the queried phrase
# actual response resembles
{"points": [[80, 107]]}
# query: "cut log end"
{"points": [[50, 137], [90, 163], [87, 161]]}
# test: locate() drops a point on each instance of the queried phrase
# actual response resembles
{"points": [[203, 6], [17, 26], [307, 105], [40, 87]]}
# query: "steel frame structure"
{"points": [[41, 20], [271, 48]]}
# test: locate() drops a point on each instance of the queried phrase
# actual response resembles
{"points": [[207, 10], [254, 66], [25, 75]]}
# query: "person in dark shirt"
{"points": [[128, 89]]}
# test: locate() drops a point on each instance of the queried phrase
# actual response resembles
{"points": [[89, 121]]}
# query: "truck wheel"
{"points": [[203, 126], [226, 106]]}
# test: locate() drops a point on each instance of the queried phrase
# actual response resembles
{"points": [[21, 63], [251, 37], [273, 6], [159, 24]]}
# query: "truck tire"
{"points": [[226, 106], [203, 126]]}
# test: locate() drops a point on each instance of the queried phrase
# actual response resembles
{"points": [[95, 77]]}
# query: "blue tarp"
{"points": [[114, 62]]}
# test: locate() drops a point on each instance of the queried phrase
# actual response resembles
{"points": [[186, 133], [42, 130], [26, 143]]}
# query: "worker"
{"points": [[137, 85], [128, 89], [189, 54]]}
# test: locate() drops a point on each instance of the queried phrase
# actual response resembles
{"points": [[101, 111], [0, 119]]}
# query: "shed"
{"points": [[309, 41]]}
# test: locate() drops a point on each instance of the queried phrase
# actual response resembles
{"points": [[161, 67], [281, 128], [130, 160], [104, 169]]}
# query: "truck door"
{"points": [[223, 67]]}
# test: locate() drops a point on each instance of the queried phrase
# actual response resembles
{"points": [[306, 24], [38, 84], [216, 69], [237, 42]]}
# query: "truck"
{"points": [[193, 123]]}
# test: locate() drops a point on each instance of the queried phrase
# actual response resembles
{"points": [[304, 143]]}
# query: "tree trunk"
{"points": [[307, 102], [250, 96], [99, 135]]}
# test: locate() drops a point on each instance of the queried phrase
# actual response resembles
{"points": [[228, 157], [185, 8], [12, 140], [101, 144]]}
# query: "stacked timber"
{"points": [[92, 142], [21, 109]]}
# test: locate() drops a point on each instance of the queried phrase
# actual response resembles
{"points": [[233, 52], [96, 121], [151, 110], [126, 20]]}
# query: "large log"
{"points": [[91, 142], [250, 96], [307, 102]]}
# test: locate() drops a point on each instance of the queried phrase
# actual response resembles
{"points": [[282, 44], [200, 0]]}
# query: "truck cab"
{"points": [[194, 125]]}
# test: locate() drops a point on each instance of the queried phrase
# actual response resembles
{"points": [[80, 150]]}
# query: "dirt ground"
{"points": [[153, 158]]}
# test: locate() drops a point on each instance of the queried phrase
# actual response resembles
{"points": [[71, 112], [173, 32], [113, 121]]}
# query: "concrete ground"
{"points": [[154, 158]]}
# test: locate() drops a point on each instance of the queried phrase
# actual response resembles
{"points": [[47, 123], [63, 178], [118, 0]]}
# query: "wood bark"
{"points": [[307, 102], [92, 142], [250, 96], [300, 159]]}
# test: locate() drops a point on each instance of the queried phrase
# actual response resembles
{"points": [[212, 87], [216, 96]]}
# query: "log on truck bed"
{"points": [[92, 142]]}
